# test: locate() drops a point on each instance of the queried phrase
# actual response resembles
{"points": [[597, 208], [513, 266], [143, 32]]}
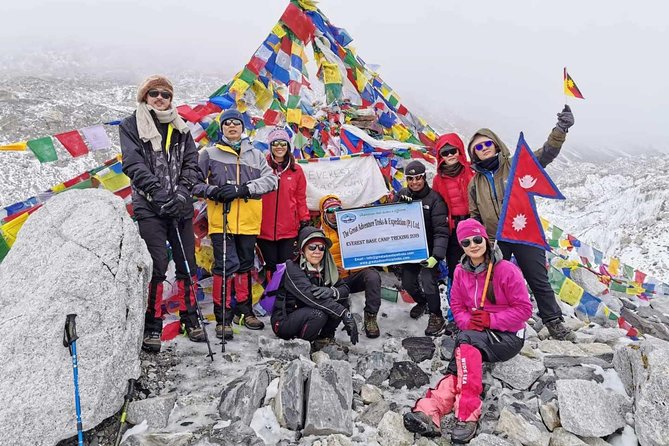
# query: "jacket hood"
{"points": [[331, 274], [503, 149], [454, 140], [310, 233], [328, 201], [467, 266]]}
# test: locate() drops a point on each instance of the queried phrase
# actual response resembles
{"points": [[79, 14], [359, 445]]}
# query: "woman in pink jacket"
{"points": [[493, 333]]}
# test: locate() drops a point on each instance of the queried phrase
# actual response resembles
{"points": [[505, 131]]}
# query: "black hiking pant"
{"points": [[429, 293], [304, 323], [240, 253], [507, 347], [276, 251], [369, 281], [532, 262]]}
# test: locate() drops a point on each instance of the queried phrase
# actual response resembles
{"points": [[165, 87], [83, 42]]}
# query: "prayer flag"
{"points": [[570, 88], [15, 147], [97, 137], [73, 143], [43, 149]]}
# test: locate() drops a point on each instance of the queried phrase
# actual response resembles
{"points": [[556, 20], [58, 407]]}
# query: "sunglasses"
{"points": [[314, 247], [283, 144], [415, 177], [231, 122], [333, 209], [448, 152], [477, 240], [480, 146], [163, 94]]}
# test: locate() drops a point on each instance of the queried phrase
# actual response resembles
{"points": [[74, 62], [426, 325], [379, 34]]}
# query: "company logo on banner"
{"points": [[356, 181], [382, 235]]}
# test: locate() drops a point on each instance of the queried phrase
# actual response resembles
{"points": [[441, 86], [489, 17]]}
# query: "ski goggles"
{"points": [[448, 151], [484, 144], [314, 246], [231, 122], [282, 144], [414, 177], [163, 94], [477, 240]]}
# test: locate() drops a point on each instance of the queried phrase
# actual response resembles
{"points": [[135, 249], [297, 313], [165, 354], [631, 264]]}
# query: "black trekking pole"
{"points": [[192, 290], [224, 288], [124, 411], [70, 341]]}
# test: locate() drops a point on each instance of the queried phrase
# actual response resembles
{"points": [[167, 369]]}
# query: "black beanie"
{"points": [[414, 168]]}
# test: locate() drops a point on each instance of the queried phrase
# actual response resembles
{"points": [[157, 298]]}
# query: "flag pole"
{"points": [[487, 276]]}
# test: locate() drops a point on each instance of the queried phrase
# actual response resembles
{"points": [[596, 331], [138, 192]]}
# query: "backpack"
{"points": [[269, 295]]}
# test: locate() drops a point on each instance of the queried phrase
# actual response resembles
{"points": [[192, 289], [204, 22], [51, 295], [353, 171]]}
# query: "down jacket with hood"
{"points": [[295, 289], [486, 189], [453, 189], [510, 307]]}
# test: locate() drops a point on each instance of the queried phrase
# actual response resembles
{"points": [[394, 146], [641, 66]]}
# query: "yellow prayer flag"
{"points": [[10, 230], [58, 188], [114, 181], [242, 106], [239, 87], [204, 257], [331, 73], [400, 132], [15, 147], [361, 80], [256, 292], [570, 292], [294, 116], [385, 92], [263, 95], [309, 5], [545, 224], [308, 122], [278, 30], [606, 310], [614, 266]]}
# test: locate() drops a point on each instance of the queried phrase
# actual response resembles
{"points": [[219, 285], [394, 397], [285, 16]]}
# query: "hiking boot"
{"points": [[435, 326], [151, 342], [558, 331], [252, 322], [463, 431], [236, 320], [321, 343], [451, 329], [195, 334], [371, 327], [421, 423], [417, 311], [219, 331], [227, 332]]}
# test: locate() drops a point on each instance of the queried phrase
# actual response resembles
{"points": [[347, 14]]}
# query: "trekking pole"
{"points": [[70, 341], [226, 211], [192, 289], [124, 411]]}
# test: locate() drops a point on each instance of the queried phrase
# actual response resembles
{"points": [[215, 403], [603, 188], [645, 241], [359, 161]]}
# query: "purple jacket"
{"points": [[512, 307]]}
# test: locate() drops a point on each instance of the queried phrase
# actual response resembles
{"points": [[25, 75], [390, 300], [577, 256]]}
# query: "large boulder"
{"points": [[329, 399], [289, 402], [244, 394], [519, 372], [80, 253]]}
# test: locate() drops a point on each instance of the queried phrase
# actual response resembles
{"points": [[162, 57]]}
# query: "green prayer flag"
{"points": [[628, 272], [221, 91], [557, 233], [413, 140], [299, 141], [212, 131], [293, 101], [318, 150], [332, 92], [248, 76], [615, 286], [556, 279], [4, 247], [394, 100], [43, 149], [86, 184]]}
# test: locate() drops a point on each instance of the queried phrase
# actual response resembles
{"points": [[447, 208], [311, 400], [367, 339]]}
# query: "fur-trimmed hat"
{"points": [[151, 82]]}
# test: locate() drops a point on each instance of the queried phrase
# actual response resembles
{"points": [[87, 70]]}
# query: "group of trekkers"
{"points": [[256, 198]]}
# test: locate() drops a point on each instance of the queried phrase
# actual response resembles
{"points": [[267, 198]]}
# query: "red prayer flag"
{"points": [[271, 117], [299, 23], [519, 221], [73, 143]]}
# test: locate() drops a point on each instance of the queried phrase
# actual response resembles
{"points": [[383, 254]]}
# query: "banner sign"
{"points": [[382, 235], [357, 181]]}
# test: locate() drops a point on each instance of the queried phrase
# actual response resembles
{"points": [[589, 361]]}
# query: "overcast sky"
{"points": [[490, 63]]}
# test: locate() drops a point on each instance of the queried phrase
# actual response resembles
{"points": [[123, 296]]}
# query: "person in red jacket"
{"points": [[284, 210], [492, 331]]}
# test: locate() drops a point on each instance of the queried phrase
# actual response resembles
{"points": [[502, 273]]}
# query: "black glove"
{"points": [[304, 224], [213, 193], [229, 192], [159, 197], [324, 292], [175, 207], [350, 326], [565, 119], [405, 198]]}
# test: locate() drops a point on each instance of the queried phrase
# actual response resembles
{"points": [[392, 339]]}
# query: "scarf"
{"points": [[491, 164], [146, 127], [451, 171], [236, 146]]}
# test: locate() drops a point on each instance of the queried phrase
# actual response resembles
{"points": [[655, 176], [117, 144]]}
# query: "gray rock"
{"points": [[160, 439], [561, 437], [156, 411], [391, 431], [335, 352], [407, 373], [578, 372], [289, 402], [370, 394], [391, 345], [613, 302], [606, 335], [657, 329], [329, 399], [661, 305], [554, 361], [333, 440], [447, 347], [587, 409], [237, 433], [490, 440], [375, 362], [80, 253], [564, 348], [419, 348], [273, 347], [519, 372], [518, 428], [374, 412], [549, 415], [243, 395], [595, 441], [319, 356], [583, 338], [653, 315], [588, 281]]}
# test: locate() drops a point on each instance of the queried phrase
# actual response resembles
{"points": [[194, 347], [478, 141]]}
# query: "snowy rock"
{"points": [[243, 395], [391, 345], [374, 412], [407, 373], [516, 427], [653, 315], [578, 372], [595, 441], [80, 253], [419, 348], [329, 399], [160, 439], [156, 411], [589, 281], [319, 356], [612, 302], [391, 431], [266, 426], [606, 335], [237, 433], [519, 372], [272, 347], [549, 415], [583, 338], [587, 409], [375, 367], [661, 305], [289, 401], [370, 394], [657, 329], [554, 361], [489, 440], [447, 347], [333, 440], [561, 437]]}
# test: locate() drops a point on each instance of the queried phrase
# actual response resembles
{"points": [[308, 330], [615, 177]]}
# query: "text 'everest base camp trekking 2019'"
{"points": [[271, 266]]}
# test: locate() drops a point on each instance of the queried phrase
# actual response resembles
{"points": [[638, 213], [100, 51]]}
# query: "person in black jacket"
{"points": [[160, 157], [312, 300], [436, 231]]}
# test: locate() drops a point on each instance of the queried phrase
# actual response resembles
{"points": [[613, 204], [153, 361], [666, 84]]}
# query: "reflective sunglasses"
{"points": [[163, 94], [315, 246], [230, 122], [480, 146], [283, 144], [477, 240], [447, 152], [415, 177], [333, 209]]}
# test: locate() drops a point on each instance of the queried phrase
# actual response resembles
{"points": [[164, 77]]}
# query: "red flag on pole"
{"points": [[519, 221]]}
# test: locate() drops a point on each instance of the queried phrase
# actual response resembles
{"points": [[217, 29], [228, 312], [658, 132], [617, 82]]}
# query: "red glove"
{"points": [[480, 318]]}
